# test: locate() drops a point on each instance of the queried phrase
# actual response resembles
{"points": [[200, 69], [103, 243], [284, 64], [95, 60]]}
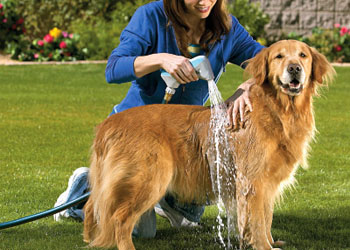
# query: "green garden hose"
{"points": [[43, 214]]}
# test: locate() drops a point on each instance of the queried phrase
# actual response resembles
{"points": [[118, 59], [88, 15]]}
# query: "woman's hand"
{"points": [[177, 66], [237, 103]]}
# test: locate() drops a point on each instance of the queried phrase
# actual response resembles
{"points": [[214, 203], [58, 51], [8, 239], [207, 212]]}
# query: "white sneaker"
{"points": [[176, 219], [62, 199]]}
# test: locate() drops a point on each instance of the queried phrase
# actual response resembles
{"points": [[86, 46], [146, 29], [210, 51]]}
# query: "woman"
{"points": [[164, 35]]}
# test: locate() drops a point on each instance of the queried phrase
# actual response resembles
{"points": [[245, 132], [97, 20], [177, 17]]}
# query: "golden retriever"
{"points": [[141, 154]]}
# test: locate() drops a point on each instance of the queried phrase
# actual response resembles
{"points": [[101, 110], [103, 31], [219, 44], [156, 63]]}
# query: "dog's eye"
{"points": [[279, 56], [302, 54]]}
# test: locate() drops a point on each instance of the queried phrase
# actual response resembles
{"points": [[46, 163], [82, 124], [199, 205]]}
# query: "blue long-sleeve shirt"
{"points": [[147, 33]]}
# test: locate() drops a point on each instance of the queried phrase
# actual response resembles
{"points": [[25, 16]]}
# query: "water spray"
{"points": [[203, 69]]}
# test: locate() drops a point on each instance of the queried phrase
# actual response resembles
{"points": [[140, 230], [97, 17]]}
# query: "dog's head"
{"points": [[290, 66]]}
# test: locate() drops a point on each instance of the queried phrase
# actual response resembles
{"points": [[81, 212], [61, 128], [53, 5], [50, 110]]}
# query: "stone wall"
{"points": [[302, 16]]}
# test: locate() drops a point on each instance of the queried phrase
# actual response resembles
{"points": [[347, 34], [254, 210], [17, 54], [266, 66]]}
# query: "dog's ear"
{"points": [[257, 67], [322, 70]]}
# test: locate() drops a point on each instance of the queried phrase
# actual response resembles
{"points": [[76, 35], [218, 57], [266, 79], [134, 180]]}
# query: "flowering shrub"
{"points": [[333, 43], [11, 24], [57, 45], [341, 46]]}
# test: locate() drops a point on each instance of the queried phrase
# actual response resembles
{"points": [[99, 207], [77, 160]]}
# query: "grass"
{"points": [[47, 119]]}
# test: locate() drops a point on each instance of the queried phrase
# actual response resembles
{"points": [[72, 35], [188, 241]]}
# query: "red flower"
{"points": [[1, 6], [50, 55], [20, 21], [338, 48], [343, 31], [14, 26], [63, 45], [48, 38], [41, 43]]}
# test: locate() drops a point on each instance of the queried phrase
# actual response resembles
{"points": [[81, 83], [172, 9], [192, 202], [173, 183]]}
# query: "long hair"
{"points": [[217, 24]]}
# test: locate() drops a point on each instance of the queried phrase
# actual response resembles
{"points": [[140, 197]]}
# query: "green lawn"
{"points": [[47, 119]]}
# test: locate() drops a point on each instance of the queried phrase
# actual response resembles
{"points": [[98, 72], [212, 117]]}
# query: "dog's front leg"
{"points": [[256, 200], [269, 207]]}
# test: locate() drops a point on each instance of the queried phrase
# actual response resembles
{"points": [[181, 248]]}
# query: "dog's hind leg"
{"points": [[128, 191]]}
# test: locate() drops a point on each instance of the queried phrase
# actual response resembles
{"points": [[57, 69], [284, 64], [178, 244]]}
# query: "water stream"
{"points": [[222, 169]]}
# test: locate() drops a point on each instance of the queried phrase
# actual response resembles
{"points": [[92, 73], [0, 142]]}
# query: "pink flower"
{"points": [[1, 6], [64, 34], [4, 20], [41, 43], [337, 25], [48, 38], [71, 36], [63, 45], [343, 31], [338, 48], [36, 55]]}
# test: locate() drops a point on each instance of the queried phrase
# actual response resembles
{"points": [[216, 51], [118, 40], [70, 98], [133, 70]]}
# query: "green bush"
{"points": [[250, 15], [42, 15], [11, 23], [101, 35]]}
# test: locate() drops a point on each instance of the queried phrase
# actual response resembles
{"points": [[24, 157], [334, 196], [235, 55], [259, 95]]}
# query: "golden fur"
{"points": [[142, 153]]}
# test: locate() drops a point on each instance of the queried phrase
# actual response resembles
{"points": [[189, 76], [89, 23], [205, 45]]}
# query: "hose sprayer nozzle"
{"points": [[169, 92]]}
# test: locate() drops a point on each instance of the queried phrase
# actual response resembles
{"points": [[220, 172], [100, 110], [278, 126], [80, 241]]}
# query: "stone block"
{"points": [[325, 19], [309, 5], [290, 19], [325, 5], [308, 19], [342, 5], [343, 19], [271, 4], [292, 4], [275, 19]]}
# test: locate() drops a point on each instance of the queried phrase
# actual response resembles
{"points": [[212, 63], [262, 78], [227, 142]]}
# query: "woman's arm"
{"points": [[177, 66]]}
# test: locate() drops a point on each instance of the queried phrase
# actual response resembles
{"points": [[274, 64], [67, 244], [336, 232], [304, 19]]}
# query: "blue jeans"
{"points": [[146, 228]]}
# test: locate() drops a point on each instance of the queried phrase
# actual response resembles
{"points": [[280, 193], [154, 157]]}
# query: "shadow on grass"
{"points": [[316, 229], [311, 229]]}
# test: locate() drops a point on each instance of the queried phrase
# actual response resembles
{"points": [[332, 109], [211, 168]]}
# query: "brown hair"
{"points": [[217, 24]]}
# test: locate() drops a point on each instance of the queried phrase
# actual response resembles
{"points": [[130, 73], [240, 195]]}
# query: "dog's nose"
{"points": [[294, 68]]}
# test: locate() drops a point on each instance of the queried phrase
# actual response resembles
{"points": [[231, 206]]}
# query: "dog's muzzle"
{"points": [[292, 81]]}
